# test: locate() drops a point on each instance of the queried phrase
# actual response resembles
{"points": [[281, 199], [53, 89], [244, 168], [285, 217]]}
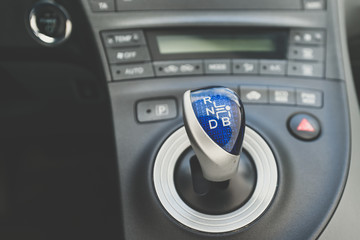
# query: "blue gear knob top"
{"points": [[221, 115], [214, 119]]}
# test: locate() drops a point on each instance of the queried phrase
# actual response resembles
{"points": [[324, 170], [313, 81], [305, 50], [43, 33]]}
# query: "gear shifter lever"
{"points": [[215, 123]]}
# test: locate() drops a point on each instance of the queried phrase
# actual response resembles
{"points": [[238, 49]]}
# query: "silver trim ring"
{"points": [[267, 179], [47, 40]]}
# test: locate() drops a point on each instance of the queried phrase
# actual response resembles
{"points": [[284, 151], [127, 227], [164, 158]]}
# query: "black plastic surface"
{"points": [[311, 174], [207, 4], [57, 160]]}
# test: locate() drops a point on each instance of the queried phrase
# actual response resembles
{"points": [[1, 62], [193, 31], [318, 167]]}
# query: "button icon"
{"points": [[253, 95], [281, 96], [134, 71], [221, 66], [318, 36], [305, 126], [103, 5], [187, 68], [275, 67], [308, 53], [307, 70], [314, 4], [161, 110], [245, 66], [270, 67], [297, 37], [307, 37], [308, 98], [171, 69], [123, 38], [249, 67], [217, 67], [110, 41]]}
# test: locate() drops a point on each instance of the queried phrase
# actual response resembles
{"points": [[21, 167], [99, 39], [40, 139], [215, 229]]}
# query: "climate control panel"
{"points": [[137, 54]]}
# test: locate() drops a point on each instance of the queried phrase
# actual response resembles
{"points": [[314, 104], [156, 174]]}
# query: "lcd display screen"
{"points": [[175, 44], [227, 43]]}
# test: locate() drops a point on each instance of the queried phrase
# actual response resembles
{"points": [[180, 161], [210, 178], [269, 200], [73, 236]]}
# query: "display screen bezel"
{"points": [[278, 35]]}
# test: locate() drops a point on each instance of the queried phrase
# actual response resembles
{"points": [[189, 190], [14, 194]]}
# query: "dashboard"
{"points": [[93, 114]]}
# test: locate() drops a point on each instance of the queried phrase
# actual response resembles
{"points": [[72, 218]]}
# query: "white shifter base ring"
{"points": [[266, 184]]}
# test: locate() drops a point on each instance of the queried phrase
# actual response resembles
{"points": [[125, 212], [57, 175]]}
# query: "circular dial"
{"points": [[50, 23]]}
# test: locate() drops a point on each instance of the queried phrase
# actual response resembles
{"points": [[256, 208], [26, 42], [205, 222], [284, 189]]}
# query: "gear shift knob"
{"points": [[214, 120]]}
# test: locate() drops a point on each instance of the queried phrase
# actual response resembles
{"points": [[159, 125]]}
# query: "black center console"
{"points": [[285, 60]]}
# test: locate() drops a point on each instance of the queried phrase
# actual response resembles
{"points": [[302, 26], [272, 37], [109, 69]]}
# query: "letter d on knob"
{"points": [[214, 120]]}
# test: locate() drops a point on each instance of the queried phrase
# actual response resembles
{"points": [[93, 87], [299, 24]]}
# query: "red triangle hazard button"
{"points": [[305, 126]]}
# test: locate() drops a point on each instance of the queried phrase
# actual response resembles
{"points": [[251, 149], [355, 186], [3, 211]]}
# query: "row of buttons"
{"points": [[307, 37], [162, 109], [127, 47], [141, 53], [281, 95], [109, 5], [217, 66]]}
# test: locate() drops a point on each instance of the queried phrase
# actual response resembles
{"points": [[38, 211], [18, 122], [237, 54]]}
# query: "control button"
{"points": [[133, 71], [175, 68], [319, 37], [269, 67], [254, 94], [221, 66], [156, 110], [102, 5], [307, 37], [304, 126], [127, 55], [306, 53], [282, 95], [299, 36], [314, 4], [305, 69], [245, 66], [123, 38], [50, 23], [310, 98]]}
